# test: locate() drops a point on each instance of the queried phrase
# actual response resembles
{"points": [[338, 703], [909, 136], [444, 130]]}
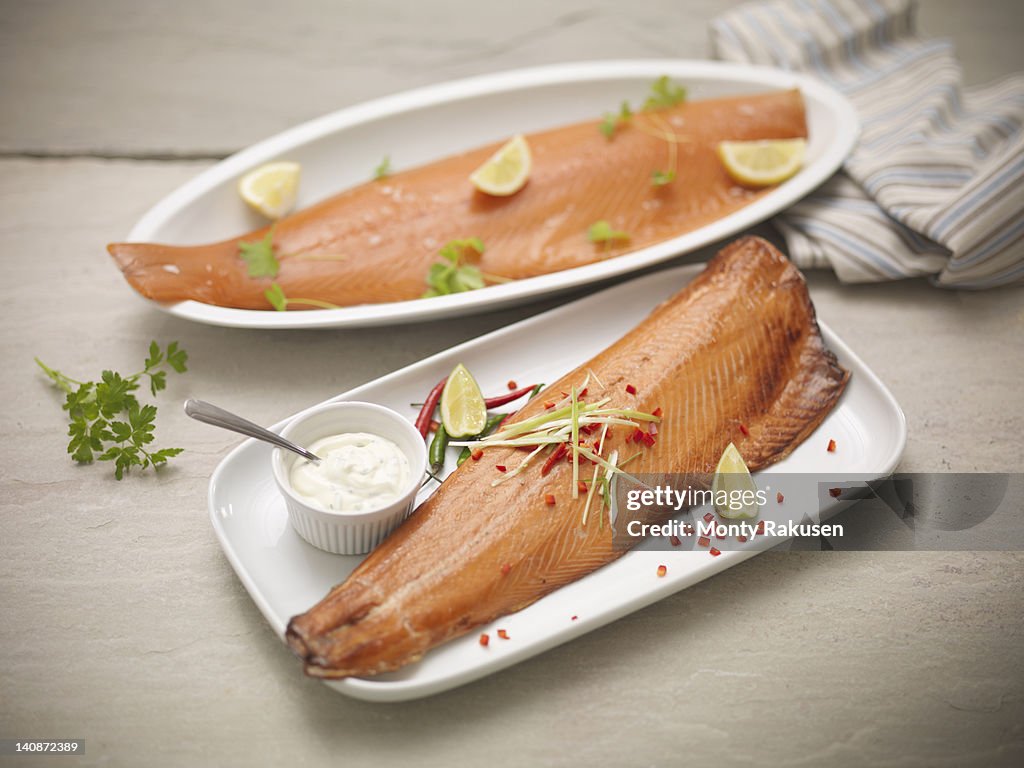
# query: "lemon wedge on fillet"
{"points": [[762, 163], [733, 477], [506, 171], [271, 189]]}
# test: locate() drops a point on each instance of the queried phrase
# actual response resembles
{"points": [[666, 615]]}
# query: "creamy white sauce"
{"points": [[358, 472]]}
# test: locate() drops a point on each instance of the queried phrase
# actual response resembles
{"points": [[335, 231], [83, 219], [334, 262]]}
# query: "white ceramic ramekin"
{"points": [[349, 533]]}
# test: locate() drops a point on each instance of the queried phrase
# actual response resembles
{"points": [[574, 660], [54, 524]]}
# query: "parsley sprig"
{"points": [[383, 170], [259, 256], [106, 420], [602, 232], [453, 274]]}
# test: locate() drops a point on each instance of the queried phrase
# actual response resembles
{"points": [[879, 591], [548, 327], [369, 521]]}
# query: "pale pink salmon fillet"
{"points": [[375, 243]]}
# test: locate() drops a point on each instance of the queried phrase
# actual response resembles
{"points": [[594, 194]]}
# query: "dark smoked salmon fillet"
{"points": [[375, 242], [738, 345]]}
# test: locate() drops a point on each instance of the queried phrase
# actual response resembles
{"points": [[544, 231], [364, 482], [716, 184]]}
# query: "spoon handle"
{"points": [[208, 413]]}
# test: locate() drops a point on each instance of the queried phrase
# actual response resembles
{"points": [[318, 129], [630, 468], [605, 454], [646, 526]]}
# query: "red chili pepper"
{"points": [[505, 569], [703, 541], [427, 411], [503, 634], [656, 412], [662, 570], [674, 541], [831, 446], [549, 499], [501, 468], [558, 453], [744, 430], [512, 384], [477, 454], [779, 497], [484, 639], [835, 493], [508, 397], [631, 389], [715, 551]]}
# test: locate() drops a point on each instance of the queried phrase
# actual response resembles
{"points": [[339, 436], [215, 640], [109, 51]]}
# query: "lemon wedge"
{"points": [[507, 170], [762, 163], [463, 411], [271, 189], [733, 477]]}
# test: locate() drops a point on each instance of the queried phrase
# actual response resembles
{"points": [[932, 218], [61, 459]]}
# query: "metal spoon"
{"points": [[208, 413]]}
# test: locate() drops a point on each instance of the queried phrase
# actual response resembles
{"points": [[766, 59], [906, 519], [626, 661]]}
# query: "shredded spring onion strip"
{"points": [[522, 465], [593, 480], [575, 445]]}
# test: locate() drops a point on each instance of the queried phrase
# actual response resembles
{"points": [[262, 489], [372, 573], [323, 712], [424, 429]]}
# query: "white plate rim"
{"points": [[386, 691], [520, 291]]}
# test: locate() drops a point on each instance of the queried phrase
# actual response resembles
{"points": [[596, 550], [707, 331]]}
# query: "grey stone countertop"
{"points": [[124, 624]]}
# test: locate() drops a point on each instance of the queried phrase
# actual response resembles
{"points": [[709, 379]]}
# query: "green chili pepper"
{"points": [[438, 447]]}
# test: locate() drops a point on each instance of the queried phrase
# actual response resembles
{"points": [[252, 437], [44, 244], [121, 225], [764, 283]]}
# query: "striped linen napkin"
{"points": [[935, 185]]}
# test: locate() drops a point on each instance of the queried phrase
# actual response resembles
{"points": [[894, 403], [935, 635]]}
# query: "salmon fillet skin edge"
{"points": [[375, 242], [738, 345]]}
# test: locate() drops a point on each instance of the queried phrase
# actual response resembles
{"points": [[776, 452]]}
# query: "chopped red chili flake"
{"points": [[779, 497], [744, 430], [631, 389], [760, 527], [741, 538], [656, 412], [549, 405], [582, 392], [674, 541], [648, 439], [652, 429], [549, 499], [831, 446], [559, 452], [574, 618], [835, 493], [662, 570], [715, 551], [581, 487], [638, 435], [501, 468], [505, 569], [503, 634], [708, 517], [512, 385], [703, 541], [485, 639], [477, 454]]}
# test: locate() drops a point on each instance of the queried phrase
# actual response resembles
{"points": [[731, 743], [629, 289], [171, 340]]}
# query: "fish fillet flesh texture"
{"points": [[375, 242], [738, 345]]}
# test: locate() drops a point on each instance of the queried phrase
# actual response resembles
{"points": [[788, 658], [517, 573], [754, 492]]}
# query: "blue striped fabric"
{"points": [[935, 185]]}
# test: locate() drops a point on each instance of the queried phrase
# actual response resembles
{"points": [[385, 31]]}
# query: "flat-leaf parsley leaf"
{"points": [[602, 232], [453, 274], [259, 256]]}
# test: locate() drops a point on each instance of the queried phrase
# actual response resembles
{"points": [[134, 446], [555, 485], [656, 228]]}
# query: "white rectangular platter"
{"points": [[285, 575], [341, 149]]}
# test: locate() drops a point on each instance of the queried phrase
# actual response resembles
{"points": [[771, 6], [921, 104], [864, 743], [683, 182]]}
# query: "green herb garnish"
{"points": [[453, 274], [384, 169], [612, 120], [664, 93], [661, 178], [106, 418], [259, 256], [275, 295], [602, 232]]}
